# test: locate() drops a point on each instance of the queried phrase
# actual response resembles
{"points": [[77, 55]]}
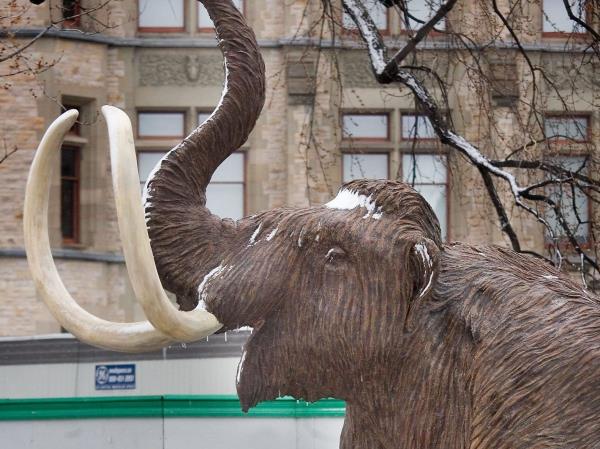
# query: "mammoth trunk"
{"points": [[186, 239]]}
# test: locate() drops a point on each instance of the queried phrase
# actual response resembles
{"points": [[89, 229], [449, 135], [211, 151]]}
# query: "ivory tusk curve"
{"points": [[180, 326], [124, 337]]}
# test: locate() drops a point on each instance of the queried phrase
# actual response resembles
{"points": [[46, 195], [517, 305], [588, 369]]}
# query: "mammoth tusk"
{"points": [[181, 326], [125, 337]]}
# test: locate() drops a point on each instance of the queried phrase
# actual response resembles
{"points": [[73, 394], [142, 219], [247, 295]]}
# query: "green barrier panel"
{"points": [[162, 406]]}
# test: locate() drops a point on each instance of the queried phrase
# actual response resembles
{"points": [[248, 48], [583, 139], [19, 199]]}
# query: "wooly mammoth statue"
{"points": [[430, 345]]}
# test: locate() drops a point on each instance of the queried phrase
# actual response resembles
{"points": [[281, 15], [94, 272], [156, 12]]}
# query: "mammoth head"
{"points": [[328, 289]]}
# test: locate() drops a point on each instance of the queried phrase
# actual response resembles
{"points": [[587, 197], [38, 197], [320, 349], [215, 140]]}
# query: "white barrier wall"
{"points": [[61, 366], [182, 397], [153, 377], [187, 433]]}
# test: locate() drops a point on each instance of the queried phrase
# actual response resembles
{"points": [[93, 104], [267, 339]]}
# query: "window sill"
{"points": [[66, 245], [421, 145], [72, 139], [366, 146], [559, 35], [157, 143], [158, 30]]}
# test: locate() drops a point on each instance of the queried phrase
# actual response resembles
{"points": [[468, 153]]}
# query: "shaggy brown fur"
{"points": [[507, 356], [505, 352], [431, 346], [306, 277], [533, 371]]}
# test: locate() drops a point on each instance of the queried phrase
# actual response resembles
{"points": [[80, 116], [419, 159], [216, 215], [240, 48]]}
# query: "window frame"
{"points": [[414, 139], [433, 33], [200, 29], [155, 29], [73, 142], [571, 148], [365, 152], [244, 183], [565, 34], [76, 180], [562, 240], [387, 31], [183, 112], [448, 182], [388, 137], [567, 115], [75, 20]]}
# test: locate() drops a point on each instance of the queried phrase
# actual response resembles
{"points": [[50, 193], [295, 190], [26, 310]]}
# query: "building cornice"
{"points": [[68, 254], [551, 46]]}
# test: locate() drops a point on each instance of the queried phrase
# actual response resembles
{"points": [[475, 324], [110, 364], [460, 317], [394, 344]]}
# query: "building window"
{"points": [[70, 158], [419, 12], [226, 192], [368, 128], [428, 174], [565, 132], [556, 18], [204, 21], [365, 166], [70, 182], [161, 15], [573, 202], [567, 128], [378, 12], [365, 126], [161, 125], [416, 127], [71, 11]]}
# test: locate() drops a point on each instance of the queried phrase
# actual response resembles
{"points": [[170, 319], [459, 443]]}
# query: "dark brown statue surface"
{"points": [[430, 345]]}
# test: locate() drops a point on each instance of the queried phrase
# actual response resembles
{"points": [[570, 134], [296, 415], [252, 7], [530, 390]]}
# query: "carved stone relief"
{"points": [[301, 81], [570, 71], [356, 70], [180, 69]]}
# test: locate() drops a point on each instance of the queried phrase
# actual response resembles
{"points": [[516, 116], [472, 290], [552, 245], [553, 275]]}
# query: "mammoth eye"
{"points": [[335, 254]]}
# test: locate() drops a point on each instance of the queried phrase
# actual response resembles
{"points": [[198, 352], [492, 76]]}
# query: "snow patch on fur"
{"points": [[349, 199], [272, 234], [421, 250], [252, 240], [212, 274]]}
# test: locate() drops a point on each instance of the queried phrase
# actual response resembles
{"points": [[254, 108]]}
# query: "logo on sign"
{"points": [[115, 377]]}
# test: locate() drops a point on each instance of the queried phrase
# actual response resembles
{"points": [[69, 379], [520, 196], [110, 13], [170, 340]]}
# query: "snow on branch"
{"points": [[390, 70], [369, 32]]}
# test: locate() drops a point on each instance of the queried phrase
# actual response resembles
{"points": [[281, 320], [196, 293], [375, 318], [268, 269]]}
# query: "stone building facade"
{"points": [[319, 126]]}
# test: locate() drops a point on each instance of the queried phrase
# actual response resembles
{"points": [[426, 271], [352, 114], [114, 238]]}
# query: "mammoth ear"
{"points": [[424, 260]]}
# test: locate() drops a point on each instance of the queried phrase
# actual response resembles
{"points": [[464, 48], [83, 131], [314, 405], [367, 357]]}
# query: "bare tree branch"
{"points": [[580, 22], [388, 71]]}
